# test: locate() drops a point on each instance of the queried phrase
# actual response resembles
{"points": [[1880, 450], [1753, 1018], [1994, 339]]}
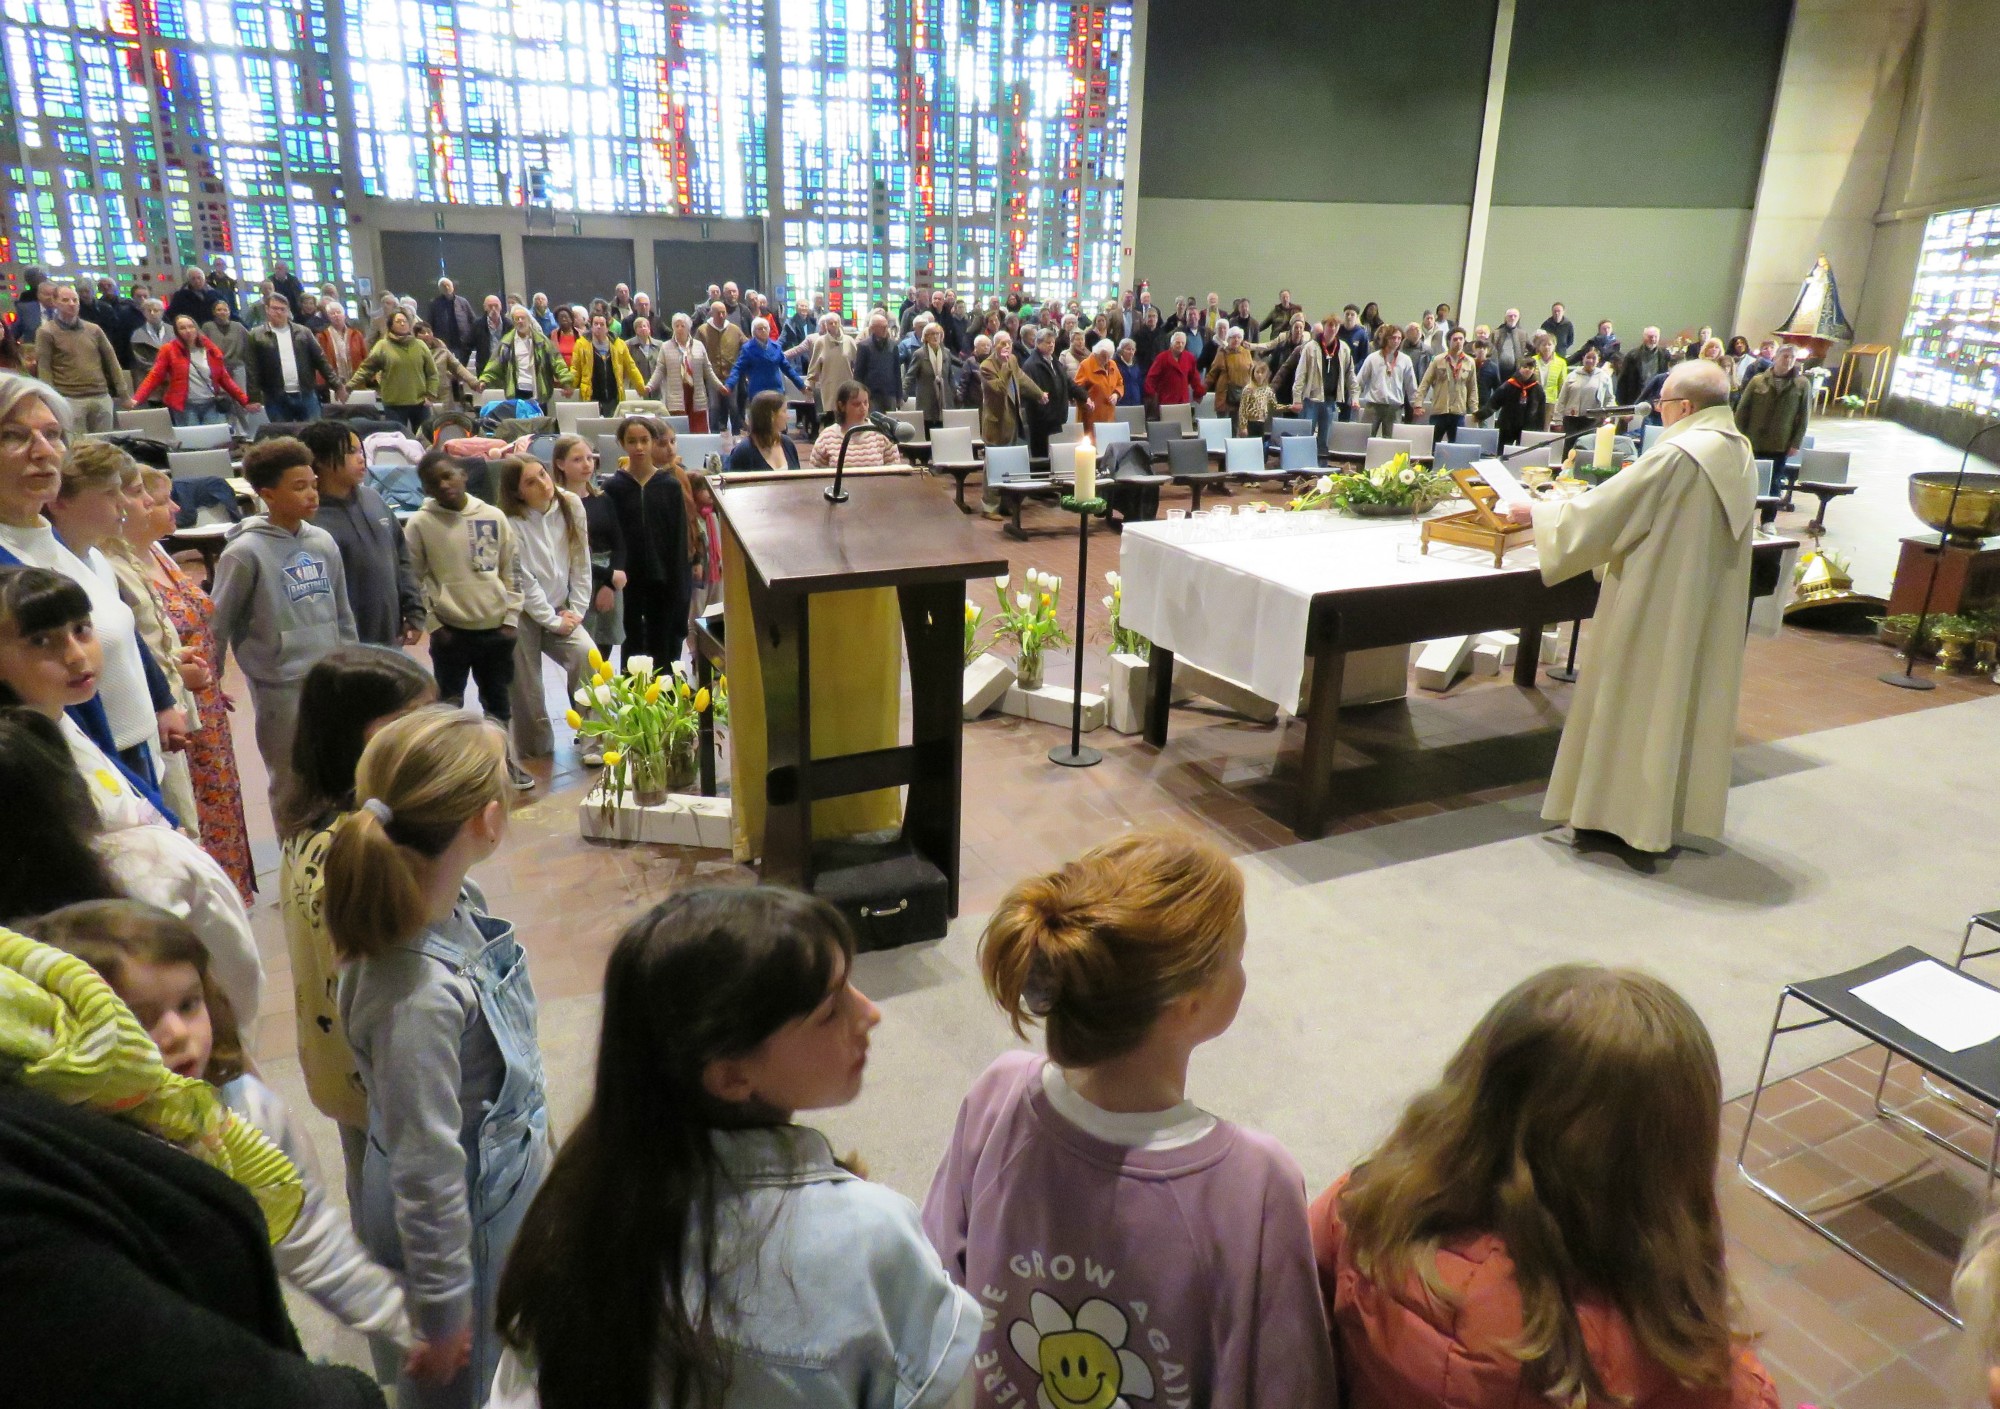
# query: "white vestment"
{"points": [[1646, 750]]}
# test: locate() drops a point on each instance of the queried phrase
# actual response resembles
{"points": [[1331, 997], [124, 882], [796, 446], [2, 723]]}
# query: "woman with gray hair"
{"points": [[134, 708], [832, 363], [1103, 385], [683, 377], [932, 377]]}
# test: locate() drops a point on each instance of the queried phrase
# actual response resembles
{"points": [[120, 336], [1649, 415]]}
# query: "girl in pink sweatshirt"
{"points": [[1129, 1250]]}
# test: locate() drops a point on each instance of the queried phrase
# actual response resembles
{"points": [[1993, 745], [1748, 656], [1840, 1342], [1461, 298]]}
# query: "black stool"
{"points": [[1974, 1072]]}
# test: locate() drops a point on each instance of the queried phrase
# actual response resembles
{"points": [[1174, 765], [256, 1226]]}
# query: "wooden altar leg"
{"points": [[934, 638], [1528, 655], [1322, 719], [784, 651], [1159, 695]]}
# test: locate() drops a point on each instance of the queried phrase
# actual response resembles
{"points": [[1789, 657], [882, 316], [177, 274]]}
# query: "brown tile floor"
{"points": [[1833, 1332]]}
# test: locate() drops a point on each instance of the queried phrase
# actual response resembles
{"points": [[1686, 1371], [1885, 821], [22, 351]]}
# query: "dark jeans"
{"points": [[303, 407], [652, 626], [1784, 473], [1444, 427], [411, 416], [487, 656]]}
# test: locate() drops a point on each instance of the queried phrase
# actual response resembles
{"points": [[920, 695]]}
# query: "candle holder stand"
{"points": [[1078, 754]]}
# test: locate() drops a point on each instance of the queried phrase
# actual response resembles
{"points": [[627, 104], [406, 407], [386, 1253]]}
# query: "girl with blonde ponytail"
{"points": [[1129, 1247], [438, 1008]]}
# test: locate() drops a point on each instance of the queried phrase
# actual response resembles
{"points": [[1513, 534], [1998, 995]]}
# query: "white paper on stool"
{"points": [[1938, 1004], [1511, 491]]}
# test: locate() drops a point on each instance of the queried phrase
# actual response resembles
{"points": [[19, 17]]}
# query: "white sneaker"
{"points": [[520, 777]]}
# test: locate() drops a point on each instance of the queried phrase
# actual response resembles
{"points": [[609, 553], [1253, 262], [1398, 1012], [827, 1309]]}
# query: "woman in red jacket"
{"points": [[1542, 1225], [191, 370], [1174, 379]]}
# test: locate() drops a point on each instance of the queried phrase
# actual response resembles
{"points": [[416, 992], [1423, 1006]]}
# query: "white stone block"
{"points": [[684, 819], [1485, 658], [1237, 699], [987, 679], [1370, 677], [1125, 695], [1051, 705], [1442, 661]]}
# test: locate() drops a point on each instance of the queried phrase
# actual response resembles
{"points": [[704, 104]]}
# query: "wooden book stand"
{"points": [[1479, 526]]}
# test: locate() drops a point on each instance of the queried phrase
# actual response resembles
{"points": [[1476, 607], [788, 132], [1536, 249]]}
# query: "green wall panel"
{"points": [[1354, 101], [1406, 257], [1638, 102]]}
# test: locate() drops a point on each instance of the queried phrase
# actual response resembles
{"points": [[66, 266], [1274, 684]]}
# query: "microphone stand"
{"points": [[1907, 678], [895, 431]]}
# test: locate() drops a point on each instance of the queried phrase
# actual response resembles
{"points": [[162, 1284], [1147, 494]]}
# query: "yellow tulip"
{"points": [[575, 719], [596, 659], [722, 683], [653, 692], [701, 701], [1045, 599], [604, 675], [612, 758], [686, 693]]}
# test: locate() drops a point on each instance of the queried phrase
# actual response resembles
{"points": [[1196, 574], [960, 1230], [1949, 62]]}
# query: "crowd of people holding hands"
{"points": [[1541, 1222]]}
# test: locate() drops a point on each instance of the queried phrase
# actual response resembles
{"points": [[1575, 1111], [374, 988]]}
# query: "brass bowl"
{"points": [[1977, 515]]}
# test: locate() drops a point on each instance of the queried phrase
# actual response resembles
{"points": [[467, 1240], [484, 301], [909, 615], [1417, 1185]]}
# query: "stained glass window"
{"points": [[147, 136], [978, 144], [1951, 339]]}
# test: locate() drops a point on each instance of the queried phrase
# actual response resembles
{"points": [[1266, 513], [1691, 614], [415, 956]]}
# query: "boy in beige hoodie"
{"points": [[462, 552]]}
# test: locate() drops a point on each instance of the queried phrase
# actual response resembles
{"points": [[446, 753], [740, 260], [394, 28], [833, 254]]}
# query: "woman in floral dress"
{"points": [[211, 753]]}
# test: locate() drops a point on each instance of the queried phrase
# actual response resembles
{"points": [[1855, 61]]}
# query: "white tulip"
{"points": [[639, 667], [603, 696], [1107, 604], [1114, 579], [1325, 485], [1001, 583], [582, 697], [1021, 601]]}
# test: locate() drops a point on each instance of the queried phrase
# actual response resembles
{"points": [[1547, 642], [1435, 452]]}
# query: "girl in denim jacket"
{"points": [[693, 1246]]}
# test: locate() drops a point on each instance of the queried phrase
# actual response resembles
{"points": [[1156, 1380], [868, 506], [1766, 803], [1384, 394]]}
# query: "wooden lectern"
{"points": [[893, 531]]}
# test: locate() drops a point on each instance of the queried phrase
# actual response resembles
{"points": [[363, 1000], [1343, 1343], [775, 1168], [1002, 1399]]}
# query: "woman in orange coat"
{"points": [[1542, 1226], [1098, 376]]}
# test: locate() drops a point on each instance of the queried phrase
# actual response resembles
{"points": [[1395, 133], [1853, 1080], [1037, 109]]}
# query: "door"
{"points": [[572, 269], [414, 260], [684, 269]]}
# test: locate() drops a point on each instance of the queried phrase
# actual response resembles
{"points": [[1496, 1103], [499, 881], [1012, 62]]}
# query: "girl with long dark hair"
{"points": [[692, 1247]]}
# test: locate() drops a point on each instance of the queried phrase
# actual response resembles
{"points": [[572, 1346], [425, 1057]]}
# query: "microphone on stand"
{"points": [[881, 425]]}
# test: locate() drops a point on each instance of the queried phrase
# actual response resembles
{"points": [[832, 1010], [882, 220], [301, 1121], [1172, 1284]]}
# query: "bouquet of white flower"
{"points": [[1029, 621], [1396, 487]]}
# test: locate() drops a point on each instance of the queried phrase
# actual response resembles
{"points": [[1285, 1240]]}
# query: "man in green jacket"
{"points": [[1772, 414], [524, 363]]}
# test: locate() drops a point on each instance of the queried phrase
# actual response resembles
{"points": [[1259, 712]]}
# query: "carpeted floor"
{"points": [[1364, 974]]}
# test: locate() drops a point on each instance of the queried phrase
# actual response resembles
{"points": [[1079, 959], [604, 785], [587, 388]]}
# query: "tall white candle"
{"points": [[1605, 448], [1086, 470]]}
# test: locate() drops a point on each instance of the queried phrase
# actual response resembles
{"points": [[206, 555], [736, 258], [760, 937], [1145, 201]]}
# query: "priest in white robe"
{"points": [[1645, 752]]}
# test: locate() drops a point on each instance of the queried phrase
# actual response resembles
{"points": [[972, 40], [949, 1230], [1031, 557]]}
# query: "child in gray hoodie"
{"points": [[280, 598]]}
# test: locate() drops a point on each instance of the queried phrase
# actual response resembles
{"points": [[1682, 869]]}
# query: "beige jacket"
{"points": [[466, 563]]}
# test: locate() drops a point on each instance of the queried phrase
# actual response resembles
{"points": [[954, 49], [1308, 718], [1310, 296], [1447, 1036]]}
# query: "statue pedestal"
{"points": [[1967, 578]]}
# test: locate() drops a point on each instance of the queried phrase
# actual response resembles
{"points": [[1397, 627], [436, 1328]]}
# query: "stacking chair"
{"points": [[1822, 474], [1180, 414], [1062, 461], [1214, 433], [1457, 455], [1421, 438], [966, 416], [490, 395], [1282, 426], [201, 437], [1070, 431], [640, 408], [1382, 450], [1206, 406], [198, 464], [915, 420], [951, 454], [1348, 441], [1244, 461], [1647, 436], [1133, 416], [1011, 475], [610, 453], [543, 448], [680, 425], [567, 414], [596, 427], [1187, 463], [1133, 490], [1112, 434], [367, 398], [695, 450], [1159, 435], [1552, 439], [156, 423], [1299, 453], [1485, 437]]}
